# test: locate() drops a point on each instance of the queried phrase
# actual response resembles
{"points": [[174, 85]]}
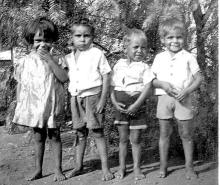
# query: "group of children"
{"points": [[174, 74]]}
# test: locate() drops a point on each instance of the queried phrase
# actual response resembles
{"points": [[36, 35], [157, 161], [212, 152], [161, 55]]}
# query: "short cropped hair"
{"points": [[171, 24], [131, 33], [47, 27], [83, 22]]}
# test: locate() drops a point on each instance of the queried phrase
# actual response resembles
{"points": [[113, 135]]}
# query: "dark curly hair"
{"points": [[84, 22], [47, 27]]}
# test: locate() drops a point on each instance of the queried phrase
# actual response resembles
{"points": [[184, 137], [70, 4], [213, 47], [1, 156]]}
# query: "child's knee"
{"points": [[97, 133], [186, 133], [165, 133], [186, 136], [123, 139], [135, 139]]}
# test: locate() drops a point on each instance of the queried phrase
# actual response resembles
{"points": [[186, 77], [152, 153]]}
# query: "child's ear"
{"points": [[162, 40], [125, 50]]}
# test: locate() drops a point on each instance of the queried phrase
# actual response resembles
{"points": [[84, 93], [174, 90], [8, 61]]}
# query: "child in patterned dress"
{"points": [[38, 92]]}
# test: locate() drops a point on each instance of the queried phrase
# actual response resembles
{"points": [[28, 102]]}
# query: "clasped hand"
{"points": [[131, 110], [173, 92]]}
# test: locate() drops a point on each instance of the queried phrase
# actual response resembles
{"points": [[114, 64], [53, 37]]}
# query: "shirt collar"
{"points": [[180, 53]]}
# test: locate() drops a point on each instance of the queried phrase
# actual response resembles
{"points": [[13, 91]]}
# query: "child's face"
{"points": [[174, 41], [82, 37], [40, 42], [136, 49]]}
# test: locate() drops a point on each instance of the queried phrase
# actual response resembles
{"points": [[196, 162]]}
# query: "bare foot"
{"points": [[162, 173], [107, 175], [191, 174], [36, 175], [76, 171], [59, 176], [138, 175], [120, 174]]}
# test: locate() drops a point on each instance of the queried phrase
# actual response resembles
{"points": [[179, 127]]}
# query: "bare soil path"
{"points": [[17, 160]]}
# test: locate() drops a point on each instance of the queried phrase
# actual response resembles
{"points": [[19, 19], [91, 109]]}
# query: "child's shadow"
{"points": [[88, 166], [151, 164]]}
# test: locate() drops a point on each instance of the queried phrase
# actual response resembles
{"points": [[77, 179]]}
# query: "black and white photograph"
{"points": [[109, 92]]}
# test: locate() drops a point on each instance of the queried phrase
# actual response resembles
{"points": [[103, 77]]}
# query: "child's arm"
{"points": [[198, 78], [60, 73], [119, 106], [167, 87], [132, 109], [105, 89]]}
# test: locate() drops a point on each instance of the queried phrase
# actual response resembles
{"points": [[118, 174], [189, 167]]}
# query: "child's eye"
{"points": [[77, 35], [179, 37], [87, 35]]}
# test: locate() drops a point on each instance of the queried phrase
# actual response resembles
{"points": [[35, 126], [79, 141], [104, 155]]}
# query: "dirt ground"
{"points": [[17, 160]]}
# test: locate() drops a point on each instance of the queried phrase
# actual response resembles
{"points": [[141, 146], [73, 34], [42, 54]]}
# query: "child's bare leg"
{"points": [[54, 136], [164, 142], [186, 134], [102, 148], [123, 147], [135, 138], [40, 136], [80, 151]]}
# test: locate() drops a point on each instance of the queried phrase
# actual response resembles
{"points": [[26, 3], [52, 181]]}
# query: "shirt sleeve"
{"points": [[113, 82], [193, 65], [148, 75], [104, 66], [18, 68], [154, 67]]}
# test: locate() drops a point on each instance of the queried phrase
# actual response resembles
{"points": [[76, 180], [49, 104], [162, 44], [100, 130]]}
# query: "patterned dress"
{"points": [[40, 97]]}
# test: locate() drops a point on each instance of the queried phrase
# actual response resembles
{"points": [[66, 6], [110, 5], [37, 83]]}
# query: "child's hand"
{"points": [[100, 106], [132, 109], [181, 95], [120, 107], [170, 90], [44, 54], [43, 50]]}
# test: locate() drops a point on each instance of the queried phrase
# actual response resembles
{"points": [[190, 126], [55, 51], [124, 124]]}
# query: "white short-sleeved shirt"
{"points": [[131, 77], [86, 73], [177, 70]]}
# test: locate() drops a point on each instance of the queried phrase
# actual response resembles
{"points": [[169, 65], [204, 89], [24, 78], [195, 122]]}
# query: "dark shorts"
{"points": [[84, 112], [135, 122]]}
